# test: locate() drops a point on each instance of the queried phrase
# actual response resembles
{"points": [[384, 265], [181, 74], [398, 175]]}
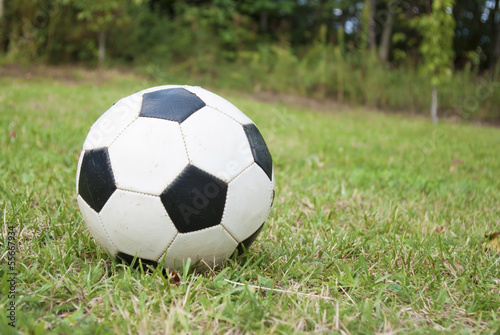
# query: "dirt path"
{"points": [[65, 73]]}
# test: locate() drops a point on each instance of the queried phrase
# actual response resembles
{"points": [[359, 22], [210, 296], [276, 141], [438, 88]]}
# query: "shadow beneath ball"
{"points": [[148, 266], [142, 264]]}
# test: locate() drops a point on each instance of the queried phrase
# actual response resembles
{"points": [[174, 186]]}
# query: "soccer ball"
{"points": [[174, 173]]}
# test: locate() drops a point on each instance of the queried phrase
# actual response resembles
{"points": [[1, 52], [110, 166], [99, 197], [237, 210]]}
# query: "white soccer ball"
{"points": [[174, 172]]}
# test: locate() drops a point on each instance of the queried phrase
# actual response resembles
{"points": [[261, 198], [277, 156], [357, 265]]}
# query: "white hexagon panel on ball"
{"points": [[248, 202], [138, 224], [148, 155], [211, 246], [216, 143]]}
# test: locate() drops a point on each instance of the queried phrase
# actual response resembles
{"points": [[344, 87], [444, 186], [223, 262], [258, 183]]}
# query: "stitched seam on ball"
{"points": [[185, 144], [107, 235], [224, 212], [159, 118], [210, 174], [166, 249], [195, 231], [229, 116], [225, 201], [227, 231], [137, 192], [125, 128], [248, 167], [162, 255], [109, 166]]}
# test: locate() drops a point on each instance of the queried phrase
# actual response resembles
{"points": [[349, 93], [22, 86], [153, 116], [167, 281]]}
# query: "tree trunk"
{"points": [[496, 53], [371, 27], [495, 37], [385, 42], [102, 47], [3, 38], [264, 19], [434, 104], [492, 19]]}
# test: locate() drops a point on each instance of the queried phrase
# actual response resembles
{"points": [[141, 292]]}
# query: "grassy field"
{"points": [[376, 227]]}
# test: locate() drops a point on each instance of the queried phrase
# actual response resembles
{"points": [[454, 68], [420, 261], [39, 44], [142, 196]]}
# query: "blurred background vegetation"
{"points": [[386, 54]]}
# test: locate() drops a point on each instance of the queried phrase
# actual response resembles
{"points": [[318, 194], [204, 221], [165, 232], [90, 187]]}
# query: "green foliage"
{"points": [[438, 30], [100, 15], [147, 38], [258, 6]]}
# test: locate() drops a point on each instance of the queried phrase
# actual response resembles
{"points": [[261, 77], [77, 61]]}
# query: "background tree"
{"points": [[266, 9], [100, 16], [385, 17], [438, 30]]}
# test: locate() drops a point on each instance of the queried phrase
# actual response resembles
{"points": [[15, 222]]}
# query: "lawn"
{"points": [[377, 226]]}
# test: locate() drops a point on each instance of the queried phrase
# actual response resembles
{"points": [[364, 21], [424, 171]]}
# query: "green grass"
{"points": [[376, 227]]}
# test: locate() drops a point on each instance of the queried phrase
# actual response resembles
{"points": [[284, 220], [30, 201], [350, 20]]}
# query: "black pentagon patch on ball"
{"points": [[174, 104], [195, 200], [97, 182], [244, 245], [260, 152]]}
